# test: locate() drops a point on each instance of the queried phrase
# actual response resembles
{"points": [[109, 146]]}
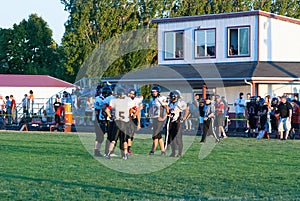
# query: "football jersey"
{"points": [[252, 109], [137, 101], [98, 103], [102, 113], [121, 108], [176, 109], [156, 106]]}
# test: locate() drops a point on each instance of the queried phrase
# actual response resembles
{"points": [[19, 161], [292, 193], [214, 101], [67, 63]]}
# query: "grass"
{"points": [[59, 166]]}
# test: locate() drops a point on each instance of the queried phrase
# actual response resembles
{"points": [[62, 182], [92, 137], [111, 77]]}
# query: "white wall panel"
{"points": [[221, 26], [279, 40]]}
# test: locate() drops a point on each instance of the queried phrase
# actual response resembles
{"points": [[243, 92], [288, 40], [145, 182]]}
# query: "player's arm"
{"points": [[138, 113], [107, 108]]}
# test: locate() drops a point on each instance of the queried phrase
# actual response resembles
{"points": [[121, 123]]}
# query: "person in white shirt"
{"points": [[178, 112], [122, 106], [240, 105], [158, 111]]}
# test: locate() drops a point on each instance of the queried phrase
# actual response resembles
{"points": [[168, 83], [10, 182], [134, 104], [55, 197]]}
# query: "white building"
{"points": [[43, 87], [196, 50]]}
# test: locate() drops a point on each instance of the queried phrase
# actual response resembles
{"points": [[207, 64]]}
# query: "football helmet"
{"points": [[155, 88], [106, 91], [121, 92], [174, 95]]}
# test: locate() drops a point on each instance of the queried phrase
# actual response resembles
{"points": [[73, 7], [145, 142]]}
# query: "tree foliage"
{"points": [[28, 48], [93, 21]]}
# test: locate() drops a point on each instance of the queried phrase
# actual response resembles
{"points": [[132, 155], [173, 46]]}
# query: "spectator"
{"points": [[13, 109], [194, 109], [2, 106], [201, 117], [285, 111], [219, 122], [295, 119], [240, 104], [232, 51], [268, 124], [246, 113], [59, 112], [88, 111], [8, 109], [31, 101], [226, 113], [188, 121], [74, 100], [25, 104]]}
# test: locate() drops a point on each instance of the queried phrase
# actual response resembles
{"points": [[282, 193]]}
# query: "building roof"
{"points": [[15, 80], [227, 73], [226, 15]]}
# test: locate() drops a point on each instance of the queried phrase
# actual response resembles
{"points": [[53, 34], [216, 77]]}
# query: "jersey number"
{"points": [[154, 110], [122, 115]]}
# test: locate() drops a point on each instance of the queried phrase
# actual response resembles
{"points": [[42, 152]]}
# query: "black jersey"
{"points": [[252, 109]]}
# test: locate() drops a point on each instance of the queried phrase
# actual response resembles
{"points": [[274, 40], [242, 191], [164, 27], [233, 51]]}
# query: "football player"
{"points": [[109, 123], [158, 110], [178, 112], [122, 106], [99, 123]]}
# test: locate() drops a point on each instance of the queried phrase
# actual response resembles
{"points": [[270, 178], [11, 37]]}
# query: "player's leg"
{"points": [[99, 129]]}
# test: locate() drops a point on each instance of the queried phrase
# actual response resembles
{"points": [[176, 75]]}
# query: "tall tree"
{"points": [[28, 48], [92, 22]]}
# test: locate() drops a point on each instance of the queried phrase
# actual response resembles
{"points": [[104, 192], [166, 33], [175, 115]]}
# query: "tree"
{"points": [[92, 22], [28, 48]]}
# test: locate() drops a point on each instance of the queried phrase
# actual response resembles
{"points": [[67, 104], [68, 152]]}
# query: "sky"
{"points": [[52, 11]]}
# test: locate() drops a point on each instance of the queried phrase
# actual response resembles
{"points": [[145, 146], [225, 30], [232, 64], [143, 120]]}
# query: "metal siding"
{"points": [[278, 89], [279, 40]]}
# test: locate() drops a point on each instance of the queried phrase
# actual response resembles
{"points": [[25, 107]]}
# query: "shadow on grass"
{"points": [[110, 189]]}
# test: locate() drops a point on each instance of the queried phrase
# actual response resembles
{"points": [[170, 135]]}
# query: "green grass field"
{"points": [[59, 166]]}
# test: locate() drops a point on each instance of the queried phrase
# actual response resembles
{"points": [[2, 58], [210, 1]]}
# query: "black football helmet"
{"points": [[174, 95], [106, 91]]}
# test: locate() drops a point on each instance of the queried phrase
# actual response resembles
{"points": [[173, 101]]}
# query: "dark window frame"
{"points": [[164, 45], [228, 41], [195, 44]]}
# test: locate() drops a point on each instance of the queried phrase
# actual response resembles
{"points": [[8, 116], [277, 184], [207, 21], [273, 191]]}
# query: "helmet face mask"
{"points": [[174, 95], [106, 91], [121, 93]]}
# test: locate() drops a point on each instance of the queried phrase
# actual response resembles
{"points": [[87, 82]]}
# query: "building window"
{"points": [[205, 43], [174, 45], [238, 41]]}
